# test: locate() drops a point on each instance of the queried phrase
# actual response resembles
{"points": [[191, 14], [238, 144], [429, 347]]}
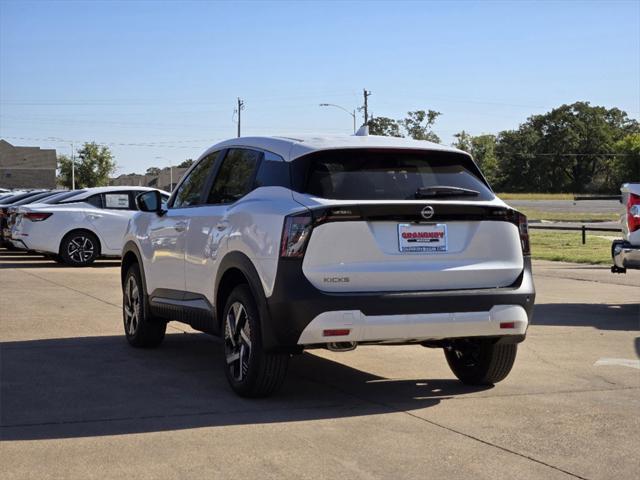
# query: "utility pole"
{"points": [[367, 94], [73, 168], [240, 108]]}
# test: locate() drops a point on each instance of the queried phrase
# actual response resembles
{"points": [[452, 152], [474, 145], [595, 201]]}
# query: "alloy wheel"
{"points": [[80, 249], [237, 341], [131, 306], [468, 353]]}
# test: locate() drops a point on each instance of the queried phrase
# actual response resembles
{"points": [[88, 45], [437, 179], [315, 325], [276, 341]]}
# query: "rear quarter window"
{"points": [[386, 174]]}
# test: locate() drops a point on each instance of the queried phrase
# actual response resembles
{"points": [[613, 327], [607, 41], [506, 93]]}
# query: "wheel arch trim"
{"points": [[241, 262], [130, 248]]}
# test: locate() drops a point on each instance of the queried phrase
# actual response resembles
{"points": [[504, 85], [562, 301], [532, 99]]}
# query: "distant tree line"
{"points": [[574, 148]]}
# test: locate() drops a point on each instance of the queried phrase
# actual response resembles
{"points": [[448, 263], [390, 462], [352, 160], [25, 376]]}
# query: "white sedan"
{"points": [[80, 229]]}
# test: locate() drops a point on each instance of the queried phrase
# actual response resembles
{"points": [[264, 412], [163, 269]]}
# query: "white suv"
{"points": [[285, 244]]}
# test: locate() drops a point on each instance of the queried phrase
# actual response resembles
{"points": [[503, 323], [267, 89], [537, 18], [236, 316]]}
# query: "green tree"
{"points": [[93, 166], [625, 165], [186, 164], [483, 150], [419, 123], [384, 126], [152, 171], [567, 149], [463, 141]]}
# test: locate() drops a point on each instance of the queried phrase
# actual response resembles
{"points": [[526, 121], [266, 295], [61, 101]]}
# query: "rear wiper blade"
{"points": [[445, 191]]}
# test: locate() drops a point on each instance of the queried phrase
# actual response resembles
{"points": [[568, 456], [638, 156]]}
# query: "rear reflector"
{"points": [[507, 324], [336, 333]]}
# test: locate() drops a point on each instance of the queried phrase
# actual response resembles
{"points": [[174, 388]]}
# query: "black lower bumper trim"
{"points": [[295, 302]]}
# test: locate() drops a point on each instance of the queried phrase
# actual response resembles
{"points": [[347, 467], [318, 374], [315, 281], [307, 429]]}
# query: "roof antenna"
{"points": [[363, 131]]}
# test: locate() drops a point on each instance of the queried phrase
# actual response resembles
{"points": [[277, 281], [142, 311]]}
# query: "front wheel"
{"points": [[480, 362], [140, 328], [250, 370]]}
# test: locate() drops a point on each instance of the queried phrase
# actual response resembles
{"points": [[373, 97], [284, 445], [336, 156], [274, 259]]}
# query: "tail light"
{"points": [[520, 221], [633, 212], [37, 216], [295, 235]]}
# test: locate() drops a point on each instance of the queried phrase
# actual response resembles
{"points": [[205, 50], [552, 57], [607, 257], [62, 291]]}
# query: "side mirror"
{"points": [[150, 201]]}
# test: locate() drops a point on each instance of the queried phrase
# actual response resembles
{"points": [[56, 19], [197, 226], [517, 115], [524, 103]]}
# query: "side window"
{"points": [[235, 176], [273, 172], [117, 201], [190, 190], [95, 200]]}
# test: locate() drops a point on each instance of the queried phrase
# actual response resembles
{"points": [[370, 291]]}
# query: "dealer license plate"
{"points": [[417, 238]]}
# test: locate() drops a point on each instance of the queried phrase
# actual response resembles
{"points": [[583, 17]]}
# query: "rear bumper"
{"points": [[299, 313], [501, 320], [625, 255]]}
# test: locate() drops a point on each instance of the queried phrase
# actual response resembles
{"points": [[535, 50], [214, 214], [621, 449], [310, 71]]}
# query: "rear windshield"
{"points": [[388, 175]]}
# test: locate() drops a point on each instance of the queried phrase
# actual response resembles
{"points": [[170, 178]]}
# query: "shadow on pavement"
{"points": [[92, 386], [625, 316], [22, 259]]}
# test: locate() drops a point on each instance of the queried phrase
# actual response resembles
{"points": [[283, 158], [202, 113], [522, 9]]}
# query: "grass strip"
{"points": [[568, 247]]}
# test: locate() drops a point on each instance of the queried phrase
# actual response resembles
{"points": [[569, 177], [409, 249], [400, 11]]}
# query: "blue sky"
{"points": [[165, 75]]}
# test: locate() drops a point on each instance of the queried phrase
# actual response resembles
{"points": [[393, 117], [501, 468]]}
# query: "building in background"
{"points": [[27, 167], [162, 180]]}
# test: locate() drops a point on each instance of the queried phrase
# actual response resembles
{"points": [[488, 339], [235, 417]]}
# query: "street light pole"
{"points": [[353, 114], [73, 168]]}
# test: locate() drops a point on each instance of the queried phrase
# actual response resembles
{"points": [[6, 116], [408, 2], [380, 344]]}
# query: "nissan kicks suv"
{"points": [[279, 245]]}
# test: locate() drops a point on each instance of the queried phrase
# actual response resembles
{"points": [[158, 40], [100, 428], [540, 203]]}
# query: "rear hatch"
{"points": [[404, 220]]}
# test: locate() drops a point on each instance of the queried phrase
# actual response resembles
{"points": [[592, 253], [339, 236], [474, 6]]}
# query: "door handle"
{"points": [[94, 216], [222, 226], [180, 226]]}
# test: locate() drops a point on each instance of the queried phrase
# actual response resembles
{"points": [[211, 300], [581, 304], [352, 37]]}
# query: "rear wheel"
{"points": [[250, 370], [480, 362], [79, 249], [140, 329]]}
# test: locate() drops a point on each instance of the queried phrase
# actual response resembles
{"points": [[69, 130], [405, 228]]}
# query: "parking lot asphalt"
{"points": [[77, 402]]}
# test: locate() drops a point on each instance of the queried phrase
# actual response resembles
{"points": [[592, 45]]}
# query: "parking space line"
{"points": [[620, 362]]}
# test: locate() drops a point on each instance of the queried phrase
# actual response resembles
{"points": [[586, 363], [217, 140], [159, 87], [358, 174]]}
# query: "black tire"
{"points": [[250, 370], [79, 248], [140, 328], [479, 362]]}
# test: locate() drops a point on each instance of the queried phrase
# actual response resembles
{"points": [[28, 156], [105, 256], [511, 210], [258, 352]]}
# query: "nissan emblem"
{"points": [[427, 212]]}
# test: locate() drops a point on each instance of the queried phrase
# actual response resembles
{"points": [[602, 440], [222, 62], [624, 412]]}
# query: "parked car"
{"points": [[11, 211], [626, 252], [280, 245], [80, 228], [8, 202]]}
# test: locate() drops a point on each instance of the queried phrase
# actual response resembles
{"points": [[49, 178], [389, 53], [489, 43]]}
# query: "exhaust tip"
{"points": [[341, 346]]}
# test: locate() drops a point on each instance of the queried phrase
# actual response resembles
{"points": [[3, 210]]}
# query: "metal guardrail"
{"points": [[582, 228]]}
